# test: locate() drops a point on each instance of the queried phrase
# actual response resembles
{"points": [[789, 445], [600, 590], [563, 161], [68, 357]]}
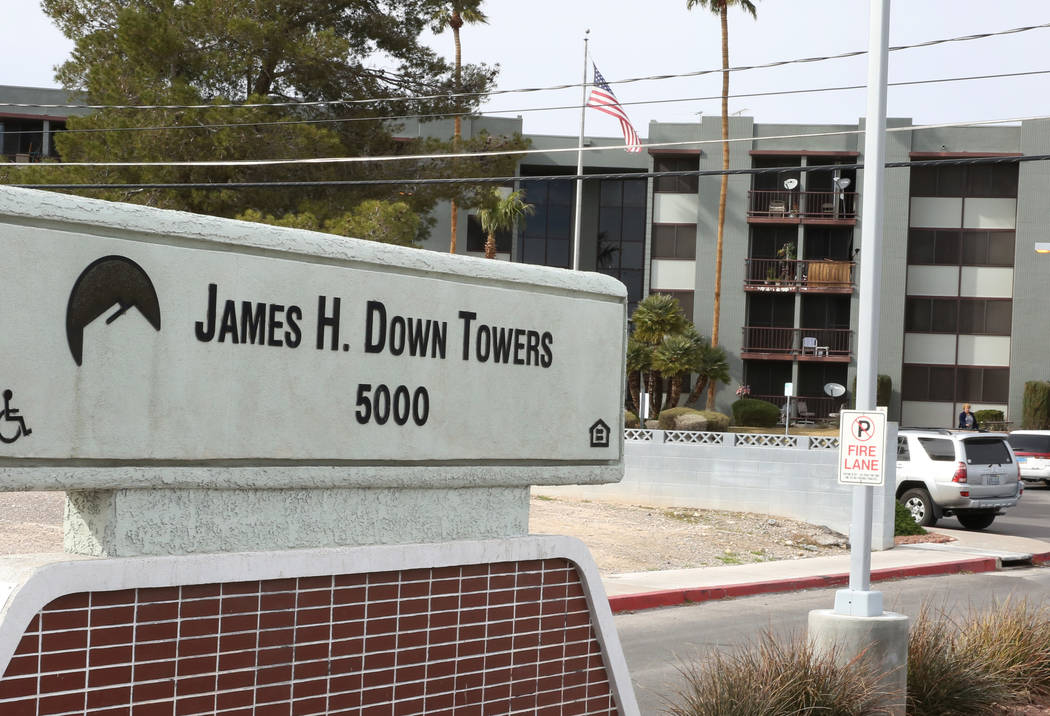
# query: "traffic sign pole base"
{"points": [[858, 603]]}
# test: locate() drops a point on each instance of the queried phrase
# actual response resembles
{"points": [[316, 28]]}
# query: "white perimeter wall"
{"points": [[798, 483]]}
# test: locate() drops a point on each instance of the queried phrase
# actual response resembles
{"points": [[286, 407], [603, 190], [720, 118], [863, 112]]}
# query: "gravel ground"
{"points": [[628, 538]]}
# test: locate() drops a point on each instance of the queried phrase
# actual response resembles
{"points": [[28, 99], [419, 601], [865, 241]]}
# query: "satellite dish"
{"points": [[790, 184], [842, 182], [834, 389]]}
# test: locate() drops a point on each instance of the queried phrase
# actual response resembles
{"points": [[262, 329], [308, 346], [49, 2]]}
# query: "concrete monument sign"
{"points": [[137, 338]]}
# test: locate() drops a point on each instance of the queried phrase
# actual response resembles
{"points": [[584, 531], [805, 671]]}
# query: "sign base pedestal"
{"points": [[858, 603], [139, 522]]}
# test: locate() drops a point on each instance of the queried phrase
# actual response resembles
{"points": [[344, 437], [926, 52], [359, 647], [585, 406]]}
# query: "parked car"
{"points": [[1032, 448], [971, 475]]}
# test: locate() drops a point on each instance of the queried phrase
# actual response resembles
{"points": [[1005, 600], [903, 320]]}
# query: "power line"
{"points": [[452, 95], [958, 161], [506, 152], [392, 118]]}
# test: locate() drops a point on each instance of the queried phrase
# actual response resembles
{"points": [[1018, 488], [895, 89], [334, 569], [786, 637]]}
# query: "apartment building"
{"points": [[964, 309]]}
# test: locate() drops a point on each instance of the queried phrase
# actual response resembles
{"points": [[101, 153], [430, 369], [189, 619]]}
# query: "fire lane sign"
{"points": [[862, 447]]}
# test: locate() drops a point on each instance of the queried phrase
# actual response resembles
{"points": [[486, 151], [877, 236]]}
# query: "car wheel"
{"points": [[976, 521], [920, 506]]}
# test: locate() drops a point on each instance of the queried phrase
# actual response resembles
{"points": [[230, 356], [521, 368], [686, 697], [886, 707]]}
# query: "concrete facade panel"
{"points": [[989, 213], [929, 348], [674, 208], [921, 414], [933, 281], [984, 350], [987, 282], [936, 212], [673, 275]]}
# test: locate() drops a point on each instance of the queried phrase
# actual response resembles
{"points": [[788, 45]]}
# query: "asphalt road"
{"points": [[657, 642]]}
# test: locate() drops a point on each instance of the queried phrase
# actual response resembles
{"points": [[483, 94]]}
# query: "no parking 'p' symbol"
{"points": [[862, 428]]}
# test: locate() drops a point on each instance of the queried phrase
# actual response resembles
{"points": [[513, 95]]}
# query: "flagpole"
{"points": [[579, 164]]}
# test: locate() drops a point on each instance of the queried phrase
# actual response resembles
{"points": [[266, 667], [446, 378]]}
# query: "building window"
{"points": [[955, 247], [959, 384], [685, 300], [676, 184], [547, 234], [990, 180], [476, 237], [968, 316], [621, 233], [674, 241]]}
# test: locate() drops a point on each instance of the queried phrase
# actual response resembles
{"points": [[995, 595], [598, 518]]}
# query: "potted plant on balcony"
{"points": [[786, 254]]}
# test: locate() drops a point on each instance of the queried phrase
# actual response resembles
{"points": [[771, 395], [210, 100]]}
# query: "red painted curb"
{"points": [[1041, 558], [675, 597]]}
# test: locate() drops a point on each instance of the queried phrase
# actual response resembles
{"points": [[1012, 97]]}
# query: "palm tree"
{"points": [[639, 360], [656, 316], [502, 214], [454, 15], [674, 358], [721, 8], [710, 367]]}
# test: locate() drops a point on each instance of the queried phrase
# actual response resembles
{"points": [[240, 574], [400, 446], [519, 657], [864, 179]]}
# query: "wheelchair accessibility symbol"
{"points": [[10, 416]]}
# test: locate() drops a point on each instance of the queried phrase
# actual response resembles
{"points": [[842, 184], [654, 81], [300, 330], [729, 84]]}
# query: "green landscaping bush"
{"points": [[630, 420], [904, 524], [984, 416], [755, 413], [777, 677], [1035, 414], [669, 416]]}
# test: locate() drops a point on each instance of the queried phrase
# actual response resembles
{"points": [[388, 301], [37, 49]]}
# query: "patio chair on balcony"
{"points": [[776, 206], [809, 344], [805, 415]]}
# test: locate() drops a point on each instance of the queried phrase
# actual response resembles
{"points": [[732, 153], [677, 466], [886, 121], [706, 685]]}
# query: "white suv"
{"points": [[1032, 448], [971, 475]]}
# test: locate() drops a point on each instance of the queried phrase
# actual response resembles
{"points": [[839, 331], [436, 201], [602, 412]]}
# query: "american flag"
{"points": [[603, 100]]}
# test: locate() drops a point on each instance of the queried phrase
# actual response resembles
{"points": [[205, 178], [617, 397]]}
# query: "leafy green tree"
{"points": [[721, 8], [502, 213], [389, 222], [453, 15], [216, 52]]}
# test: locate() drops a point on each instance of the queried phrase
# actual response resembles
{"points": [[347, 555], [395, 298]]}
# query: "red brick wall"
{"points": [[477, 639]]}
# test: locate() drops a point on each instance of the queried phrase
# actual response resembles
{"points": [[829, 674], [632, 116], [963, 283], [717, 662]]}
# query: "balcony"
{"points": [[798, 276], [824, 345], [817, 408], [806, 207]]}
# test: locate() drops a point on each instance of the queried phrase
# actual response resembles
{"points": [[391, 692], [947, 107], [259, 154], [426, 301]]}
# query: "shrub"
{"points": [[984, 416], [1013, 642], [756, 413], [630, 420], [904, 523], [691, 422], [669, 417], [946, 679], [1036, 410], [777, 677]]}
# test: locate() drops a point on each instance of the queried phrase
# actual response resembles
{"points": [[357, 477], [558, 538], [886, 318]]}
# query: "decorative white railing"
{"points": [[692, 437]]}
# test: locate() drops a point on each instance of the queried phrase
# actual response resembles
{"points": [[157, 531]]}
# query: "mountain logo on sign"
{"points": [[107, 282]]}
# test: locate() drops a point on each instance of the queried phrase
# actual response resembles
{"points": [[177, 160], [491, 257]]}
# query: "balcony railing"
{"points": [[807, 408], [808, 275], [805, 343], [781, 204]]}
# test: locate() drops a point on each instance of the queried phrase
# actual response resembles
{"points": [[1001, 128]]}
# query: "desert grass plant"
{"points": [[1013, 642], [947, 676], [773, 676]]}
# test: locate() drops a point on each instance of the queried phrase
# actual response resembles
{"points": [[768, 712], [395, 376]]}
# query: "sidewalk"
{"points": [[971, 552]]}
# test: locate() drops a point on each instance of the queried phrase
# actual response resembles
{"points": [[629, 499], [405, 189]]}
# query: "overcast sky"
{"points": [[539, 43]]}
